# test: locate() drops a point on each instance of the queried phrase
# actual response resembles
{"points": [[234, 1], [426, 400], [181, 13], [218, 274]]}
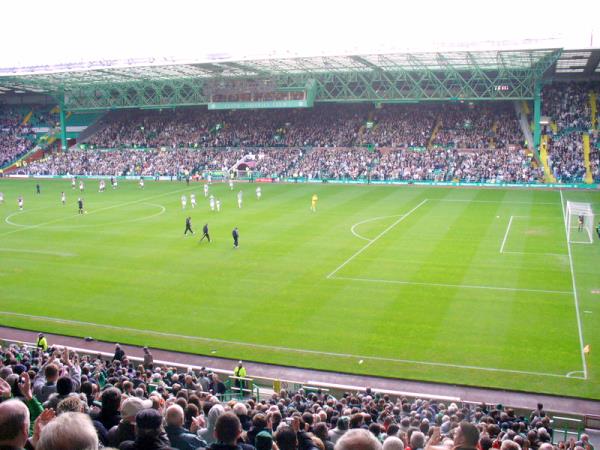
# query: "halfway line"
{"points": [[376, 238]]}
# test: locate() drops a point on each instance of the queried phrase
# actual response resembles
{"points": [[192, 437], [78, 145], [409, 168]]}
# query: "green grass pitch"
{"points": [[466, 286]]}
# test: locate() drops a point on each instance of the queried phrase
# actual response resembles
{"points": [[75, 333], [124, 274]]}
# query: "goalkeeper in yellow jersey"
{"points": [[313, 203]]}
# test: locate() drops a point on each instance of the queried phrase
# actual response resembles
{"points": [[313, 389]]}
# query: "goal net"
{"points": [[580, 223]]}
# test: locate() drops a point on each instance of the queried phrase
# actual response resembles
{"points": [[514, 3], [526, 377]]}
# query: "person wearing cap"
{"points": [[149, 433], [263, 441], [42, 343], [125, 430], [181, 438]]}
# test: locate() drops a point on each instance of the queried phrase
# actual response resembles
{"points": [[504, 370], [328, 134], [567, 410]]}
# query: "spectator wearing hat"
{"points": [[180, 437], [263, 441], [125, 430], [149, 433]]}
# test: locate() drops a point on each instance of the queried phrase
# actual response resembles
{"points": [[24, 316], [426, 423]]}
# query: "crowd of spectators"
{"points": [[15, 138], [567, 105], [359, 163], [328, 125], [54, 399]]}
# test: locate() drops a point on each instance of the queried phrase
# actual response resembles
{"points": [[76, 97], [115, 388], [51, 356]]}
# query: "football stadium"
{"points": [[347, 247]]}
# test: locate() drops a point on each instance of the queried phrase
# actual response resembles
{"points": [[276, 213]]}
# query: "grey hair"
{"points": [[69, 431]]}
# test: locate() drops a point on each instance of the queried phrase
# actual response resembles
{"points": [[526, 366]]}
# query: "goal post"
{"points": [[577, 232]]}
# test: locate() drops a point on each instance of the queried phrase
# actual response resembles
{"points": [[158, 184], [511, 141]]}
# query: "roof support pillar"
{"points": [[537, 114], [63, 123]]}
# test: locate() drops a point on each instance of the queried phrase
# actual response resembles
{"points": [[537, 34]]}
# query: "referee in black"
{"points": [[80, 205], [188, 226], [236, 236], [205, 233]]}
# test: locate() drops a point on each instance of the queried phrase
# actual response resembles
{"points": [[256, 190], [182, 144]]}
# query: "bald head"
{"points": [[175, 416], [14, 423]]}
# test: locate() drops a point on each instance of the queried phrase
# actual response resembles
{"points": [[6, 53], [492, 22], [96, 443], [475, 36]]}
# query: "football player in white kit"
{"points": [[212, 202], [183, 201], [20, 202], [209, 178], [206, 190], [258, 192], [1, 197], [81, 187], [230, 184], [141, 183], [63, 198], [193, 200], [101, 186], [240, 198], [218, 205]]}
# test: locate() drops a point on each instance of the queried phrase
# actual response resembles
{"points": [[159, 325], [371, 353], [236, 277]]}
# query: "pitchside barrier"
{"points": [[261, 178], [566, 426]]}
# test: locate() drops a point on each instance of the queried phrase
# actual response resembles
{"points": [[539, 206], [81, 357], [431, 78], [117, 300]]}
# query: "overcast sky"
{"points": [[40, 32]]}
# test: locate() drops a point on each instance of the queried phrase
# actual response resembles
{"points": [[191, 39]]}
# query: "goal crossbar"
{"points": [[579, 222]]}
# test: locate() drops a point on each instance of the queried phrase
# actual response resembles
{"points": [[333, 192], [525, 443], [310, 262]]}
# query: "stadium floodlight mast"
{"points": [[577, 234]]}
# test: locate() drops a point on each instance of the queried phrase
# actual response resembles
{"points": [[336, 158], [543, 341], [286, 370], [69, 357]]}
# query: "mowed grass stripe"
{"points": [[273, 291]]}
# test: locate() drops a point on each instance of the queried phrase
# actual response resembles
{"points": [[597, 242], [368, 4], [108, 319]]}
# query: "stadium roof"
{"points": [[517, 69]]}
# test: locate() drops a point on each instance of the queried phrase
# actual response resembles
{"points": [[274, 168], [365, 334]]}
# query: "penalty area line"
{"points": [[276, 347], [447, 285]]}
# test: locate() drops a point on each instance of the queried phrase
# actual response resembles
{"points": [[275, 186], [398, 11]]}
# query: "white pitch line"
{"points": [[533, 253], [575, 299], [376, 238], [37, 252], [367, 221], [465, 286], [506, 234], [508, 202], [275, 347], [118, 205]]}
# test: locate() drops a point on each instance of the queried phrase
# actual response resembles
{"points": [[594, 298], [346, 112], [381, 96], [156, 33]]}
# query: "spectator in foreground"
{"points": [[358, 439], [181, 438], [228, 430], [69, 431], [125, 430], [14, 425], [149, 433], [466, 436]]}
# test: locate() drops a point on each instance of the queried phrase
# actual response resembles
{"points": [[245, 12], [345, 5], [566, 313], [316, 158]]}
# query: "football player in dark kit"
{"points": [[205, 233], [80, 205], [236, 236], [37, 188], [188, 226]]}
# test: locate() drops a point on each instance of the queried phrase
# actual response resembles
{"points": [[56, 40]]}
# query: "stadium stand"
{"points": [[16, 135], [457, 141], [111, 394]]}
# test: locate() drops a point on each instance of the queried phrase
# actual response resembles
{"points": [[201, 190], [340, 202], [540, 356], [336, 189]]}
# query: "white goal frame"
{"points": [[574, 210]]}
